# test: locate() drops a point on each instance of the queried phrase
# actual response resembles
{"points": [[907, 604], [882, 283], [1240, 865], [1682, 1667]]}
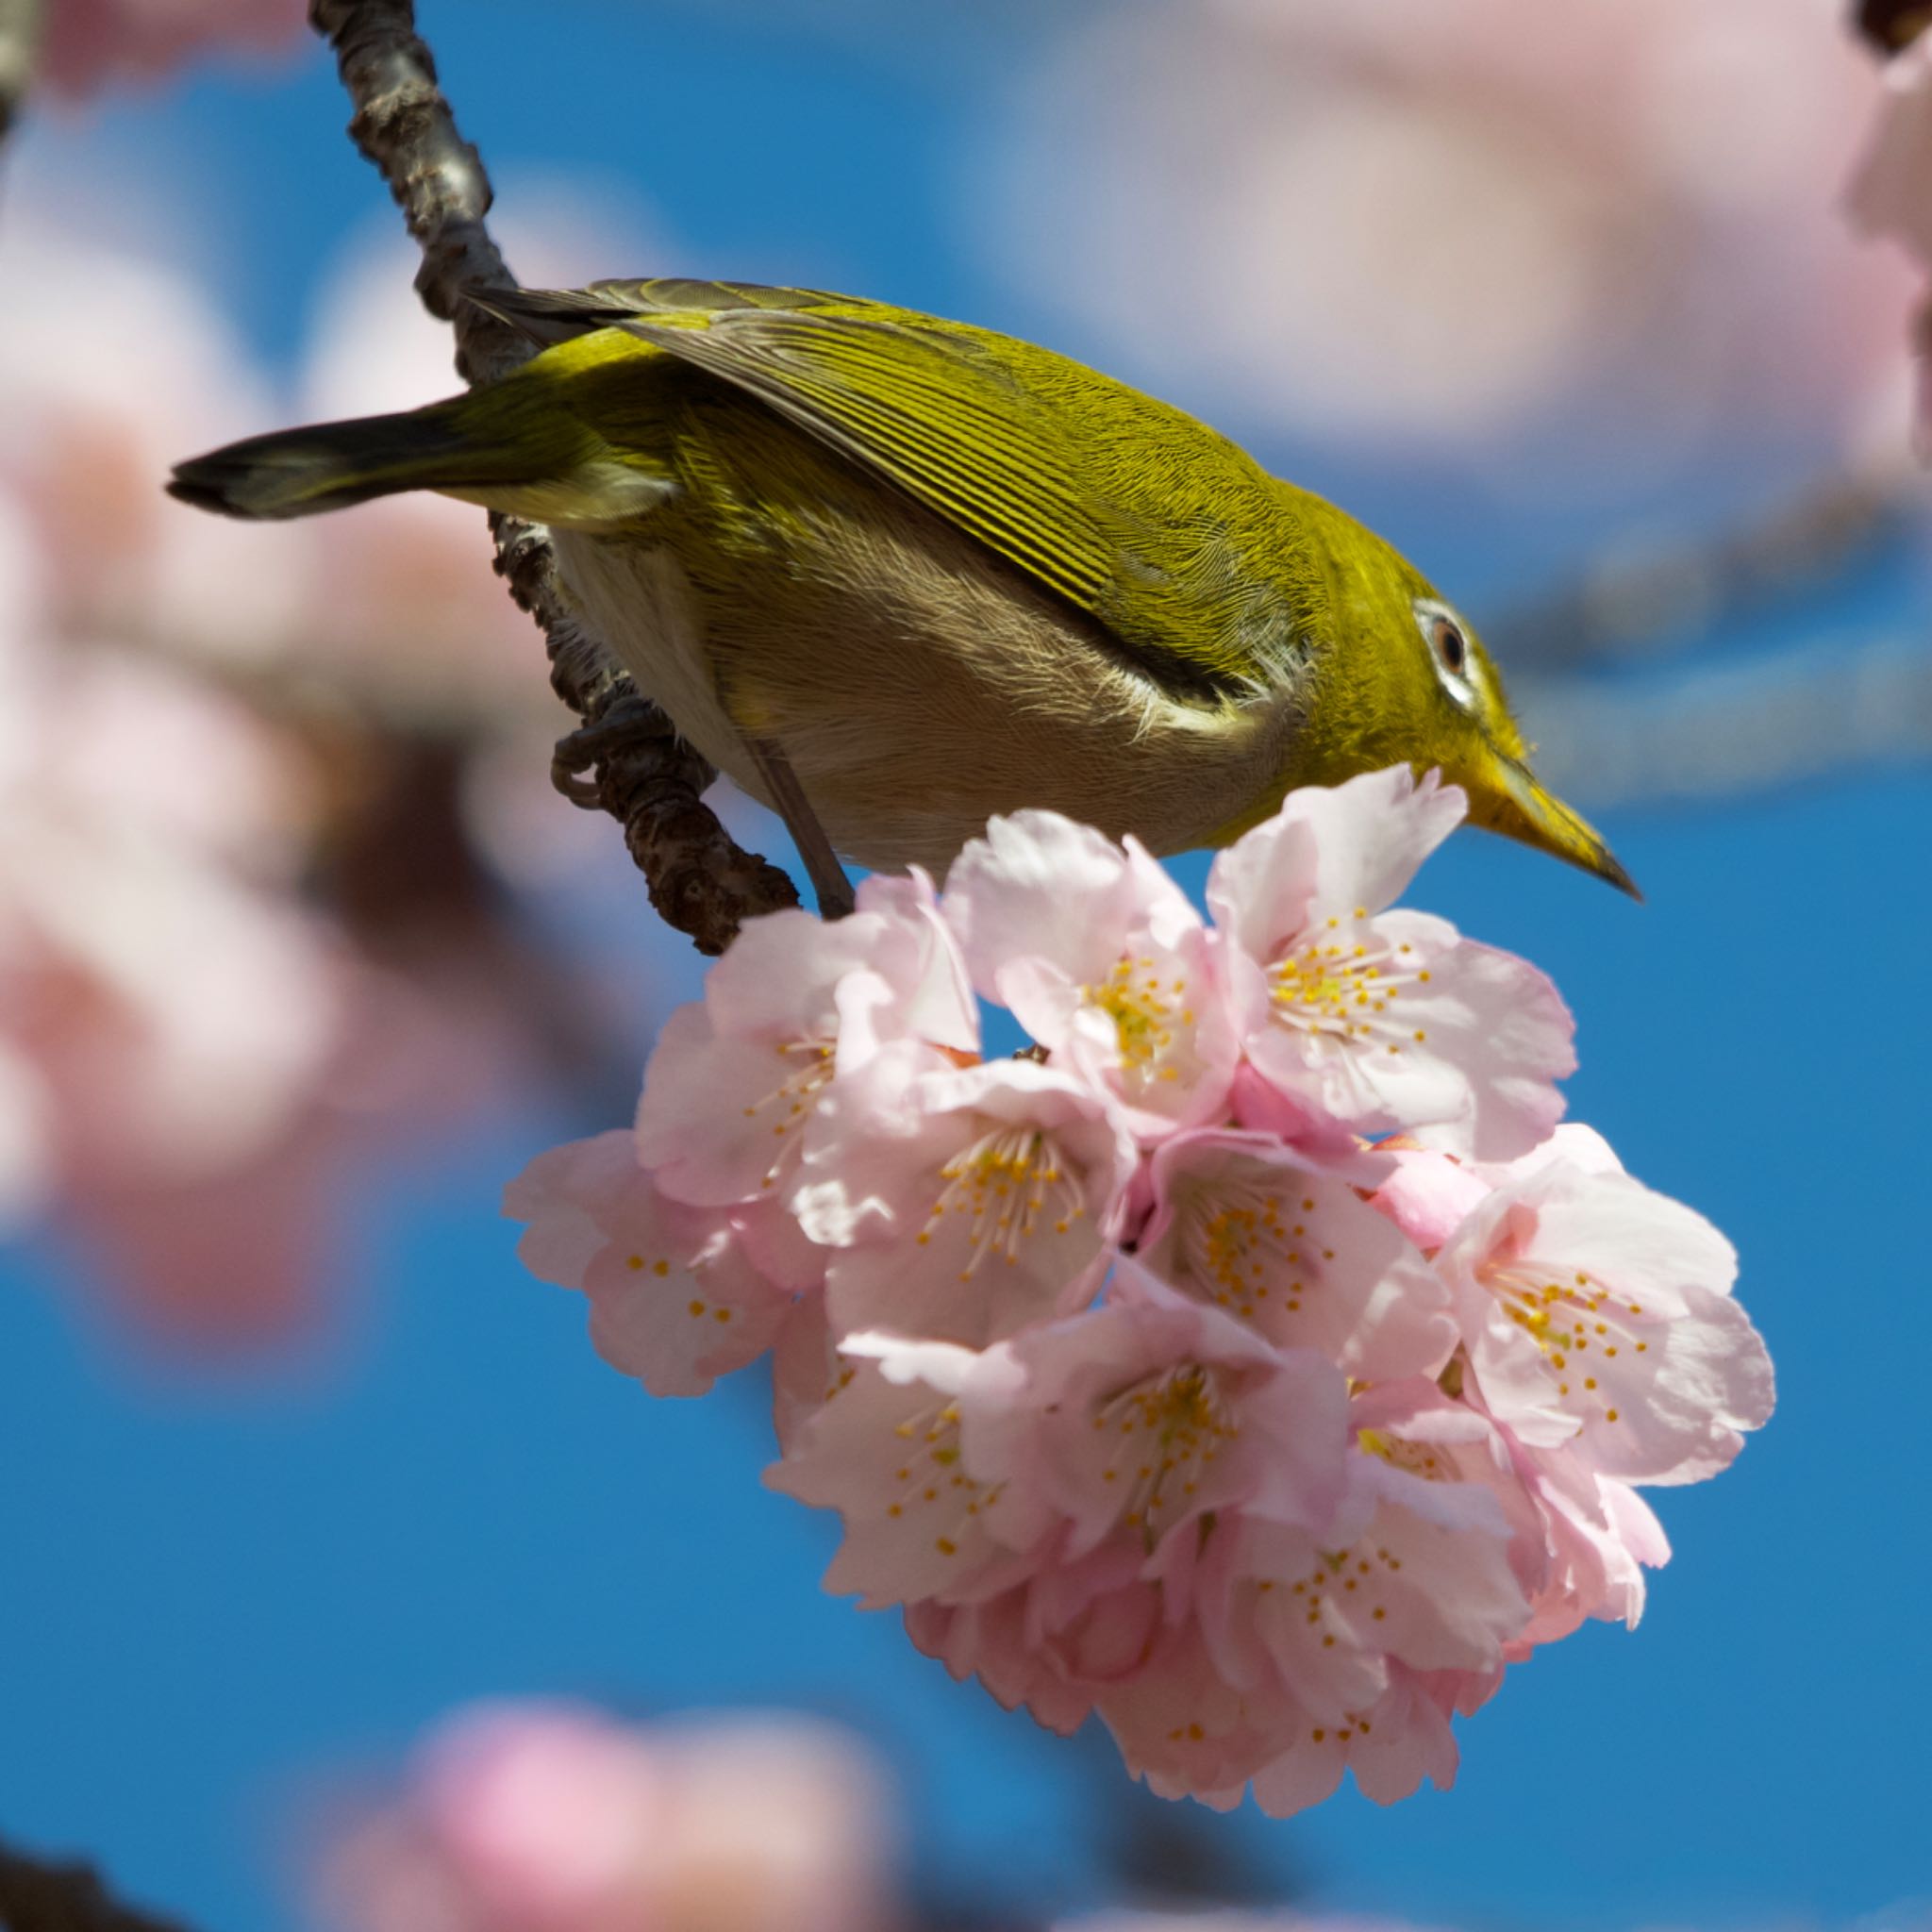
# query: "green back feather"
{"points": [[1130, 511]]}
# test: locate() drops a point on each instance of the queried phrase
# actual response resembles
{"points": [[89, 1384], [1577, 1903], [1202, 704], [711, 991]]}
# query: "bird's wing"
{"points": [[1128, 510], [914, 410], [554, 315]]}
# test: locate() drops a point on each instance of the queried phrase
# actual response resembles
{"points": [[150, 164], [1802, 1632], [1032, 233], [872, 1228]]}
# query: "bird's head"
{"points": [[1398, 678]]}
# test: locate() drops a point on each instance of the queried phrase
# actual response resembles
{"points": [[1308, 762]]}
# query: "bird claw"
{"points": [[629, 720]]}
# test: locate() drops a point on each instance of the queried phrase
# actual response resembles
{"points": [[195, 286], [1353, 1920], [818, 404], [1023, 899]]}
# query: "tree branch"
{"points": [[20, 36], [37, 1896], [1893, 25], [701, 882]]}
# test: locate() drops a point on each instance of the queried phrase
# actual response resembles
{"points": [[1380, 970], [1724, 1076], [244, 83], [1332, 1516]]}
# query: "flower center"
{"points": [[930, 1481], [1577, 1323], [1342, 1588], [808, 1065], [1011, 1184], [1415, 1459], [1144, 1009], [1165, 1432], [1340, 985], [1237, 1241]]}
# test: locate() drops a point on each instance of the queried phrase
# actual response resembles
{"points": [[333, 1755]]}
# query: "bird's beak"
{"points": [[1507, 799]]}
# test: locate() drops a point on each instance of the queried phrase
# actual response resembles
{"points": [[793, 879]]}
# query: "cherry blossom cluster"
{"points": [[1254, 1362]]}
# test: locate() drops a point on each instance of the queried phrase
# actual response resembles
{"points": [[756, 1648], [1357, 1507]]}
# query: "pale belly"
{"points": [[916, 693]]}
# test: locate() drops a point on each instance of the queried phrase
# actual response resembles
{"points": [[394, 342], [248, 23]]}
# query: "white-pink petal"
{"points": [[1329, 850], [1597, 1315], [962, 1202], [1103, 961], [1247, 1224], [733, 1083], [676, 1298]]}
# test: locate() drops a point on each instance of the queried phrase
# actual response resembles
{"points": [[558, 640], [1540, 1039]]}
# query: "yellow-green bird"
{"points": [[944, 573]]}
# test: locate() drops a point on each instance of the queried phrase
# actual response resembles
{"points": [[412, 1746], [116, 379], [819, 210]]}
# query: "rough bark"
{"points": [[639, 770]]}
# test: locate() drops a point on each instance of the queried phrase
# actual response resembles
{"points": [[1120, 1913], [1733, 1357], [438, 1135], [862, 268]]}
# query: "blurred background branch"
{"points": [[20, 31], [1890, 25], [652, 783], [38, 1895]]}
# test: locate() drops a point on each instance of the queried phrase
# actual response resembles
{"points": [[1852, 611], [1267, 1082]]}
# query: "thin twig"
{"points": [[1645, 600], [647, 777], [20, 38]]}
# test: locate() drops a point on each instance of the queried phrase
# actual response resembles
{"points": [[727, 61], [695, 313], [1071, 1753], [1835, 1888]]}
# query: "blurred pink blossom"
{"points": [[196, 1045], [165, 1010], [540, 1817], [91, 44], [1476, 230], [1890, 191]]}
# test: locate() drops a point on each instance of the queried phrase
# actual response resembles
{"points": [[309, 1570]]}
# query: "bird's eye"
{"points": [[1456, 668]]}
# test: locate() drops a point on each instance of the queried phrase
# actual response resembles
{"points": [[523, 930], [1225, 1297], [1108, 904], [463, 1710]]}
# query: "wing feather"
{"points": [[928, 418], [1128, 510]]}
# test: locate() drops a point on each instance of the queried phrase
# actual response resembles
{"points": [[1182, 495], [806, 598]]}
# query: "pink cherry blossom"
{"points": [[1890, 192], [997, 1641], [1392, 1747], [675, 1297], [963, 1203], [1378, 1021], [1155, 1411], [1426, 1568], [1243, 1222], [1600, 1537], [890, 1450], [1598, 1313], [551, 1817], [1130, 1423], [1189, 1733], [1380, 147], [1428, 1195], [735, 1078], [1102, 959]]}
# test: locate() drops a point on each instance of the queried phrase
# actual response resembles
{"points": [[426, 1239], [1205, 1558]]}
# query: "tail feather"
{"points": [[298, 473]]}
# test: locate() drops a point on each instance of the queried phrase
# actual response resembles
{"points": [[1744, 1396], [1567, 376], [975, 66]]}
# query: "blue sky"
{"points": [[220, 1592]]}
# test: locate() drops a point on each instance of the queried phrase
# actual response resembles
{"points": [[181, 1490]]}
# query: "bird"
{"points": [[909, 574]]}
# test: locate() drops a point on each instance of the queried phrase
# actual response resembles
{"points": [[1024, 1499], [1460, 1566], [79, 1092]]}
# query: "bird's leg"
{"points": [[822, 865]]}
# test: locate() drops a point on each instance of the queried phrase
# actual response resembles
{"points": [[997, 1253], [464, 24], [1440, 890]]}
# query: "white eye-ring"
{"points": [[1448, 645]]}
